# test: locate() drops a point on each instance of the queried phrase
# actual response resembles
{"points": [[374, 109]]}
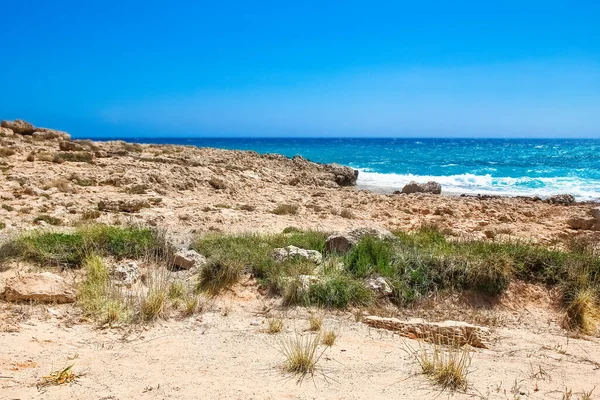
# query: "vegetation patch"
{"points": [[47, 219], [71, 249], [286, 209]]}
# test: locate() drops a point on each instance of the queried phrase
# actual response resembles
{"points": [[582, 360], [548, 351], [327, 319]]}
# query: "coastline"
{"points": [[185, 188]]}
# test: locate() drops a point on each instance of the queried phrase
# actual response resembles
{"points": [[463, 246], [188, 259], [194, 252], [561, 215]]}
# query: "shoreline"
{"points": [[53, 181]]}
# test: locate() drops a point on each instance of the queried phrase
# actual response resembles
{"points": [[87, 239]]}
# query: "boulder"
{"points": [[450, 333], [429, 187], [564, 199], [45, 287], [6, 132], [285, 253], [342, 175], [596, 214], [125, 274], [19, 126], [342, 242], [378, 285], [187, 259], [70, 146], [579, 223]]}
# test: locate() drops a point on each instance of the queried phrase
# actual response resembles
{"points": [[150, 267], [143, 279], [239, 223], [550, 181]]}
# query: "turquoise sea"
{"points": [[509, 167]]}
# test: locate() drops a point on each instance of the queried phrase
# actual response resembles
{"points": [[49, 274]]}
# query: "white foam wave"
{"points": [[582, 189]]}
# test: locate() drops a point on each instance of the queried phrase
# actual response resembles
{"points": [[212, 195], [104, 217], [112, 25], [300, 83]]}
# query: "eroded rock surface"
{"points": [[45, 287], [452, 333]]}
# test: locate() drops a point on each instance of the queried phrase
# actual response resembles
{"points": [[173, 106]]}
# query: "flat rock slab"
{"points": [[44, 288], [452, 333]]}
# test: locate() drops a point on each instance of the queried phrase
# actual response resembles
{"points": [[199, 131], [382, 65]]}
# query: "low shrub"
{"points": [[285, 209]]}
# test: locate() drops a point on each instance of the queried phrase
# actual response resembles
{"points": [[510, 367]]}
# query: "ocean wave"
{"points": [[582, 189]]}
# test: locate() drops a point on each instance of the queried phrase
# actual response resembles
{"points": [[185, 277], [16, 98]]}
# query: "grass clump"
{"points": [[339, 291], [58, 248], [274, 325], [582, 311], [448, 367], [219, 275], [97, 297], [329, 338], [301, 354], [285, 209], [315, 322], [153, 305], [2, 225]]}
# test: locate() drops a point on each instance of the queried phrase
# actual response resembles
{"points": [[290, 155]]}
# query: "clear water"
{"points": [[512, 167]]}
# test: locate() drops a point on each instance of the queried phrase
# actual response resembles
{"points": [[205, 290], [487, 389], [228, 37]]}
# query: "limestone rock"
{"points": [[70, 146], [579, 223], [6, 132], [187, 259], [45, 287], [50, 134], [379, 285], [429, 187], [448, 332], [342, 242], [125, 274], [565, 199], [285, 253], [19, 126], [342, 175]]}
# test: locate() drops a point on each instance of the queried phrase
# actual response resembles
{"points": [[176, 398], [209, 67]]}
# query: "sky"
{"points": [[303, 68]]}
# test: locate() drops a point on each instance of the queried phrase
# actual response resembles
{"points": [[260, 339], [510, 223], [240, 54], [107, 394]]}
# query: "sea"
{"points": [[509, 167]]}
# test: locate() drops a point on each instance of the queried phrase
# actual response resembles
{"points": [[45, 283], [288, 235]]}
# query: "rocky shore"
{"points": [[49, 179]]}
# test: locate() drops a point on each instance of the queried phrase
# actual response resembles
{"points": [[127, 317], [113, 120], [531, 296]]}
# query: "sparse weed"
{"points": [[274, 325], [329, 338], [315, 322], [286, 209]]}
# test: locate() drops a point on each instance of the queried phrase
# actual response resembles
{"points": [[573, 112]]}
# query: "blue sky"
{"points": [[305, 68]]}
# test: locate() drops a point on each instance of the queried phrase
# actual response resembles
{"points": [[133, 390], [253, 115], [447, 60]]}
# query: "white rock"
{"points": [[285, 253]]}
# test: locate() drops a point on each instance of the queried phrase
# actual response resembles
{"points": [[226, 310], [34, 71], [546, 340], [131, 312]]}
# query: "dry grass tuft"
{"points": [[301, 354], [329, 338], [582, 311], [448, 366], [153, 305], [285, 209], [60, 377], [315, 322], [274, 325]]}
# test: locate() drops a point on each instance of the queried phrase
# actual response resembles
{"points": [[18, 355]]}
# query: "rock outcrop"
{"points": [[187, 259], [341, 243], [588, 224], [290, 252], [125, 274], [343, 176], [565, 199], [451, 333], [429, 187], [19, 126], [45, 287]]}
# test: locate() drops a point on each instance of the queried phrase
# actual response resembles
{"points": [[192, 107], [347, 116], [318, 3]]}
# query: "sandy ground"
{"points": [[224, 353]]}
